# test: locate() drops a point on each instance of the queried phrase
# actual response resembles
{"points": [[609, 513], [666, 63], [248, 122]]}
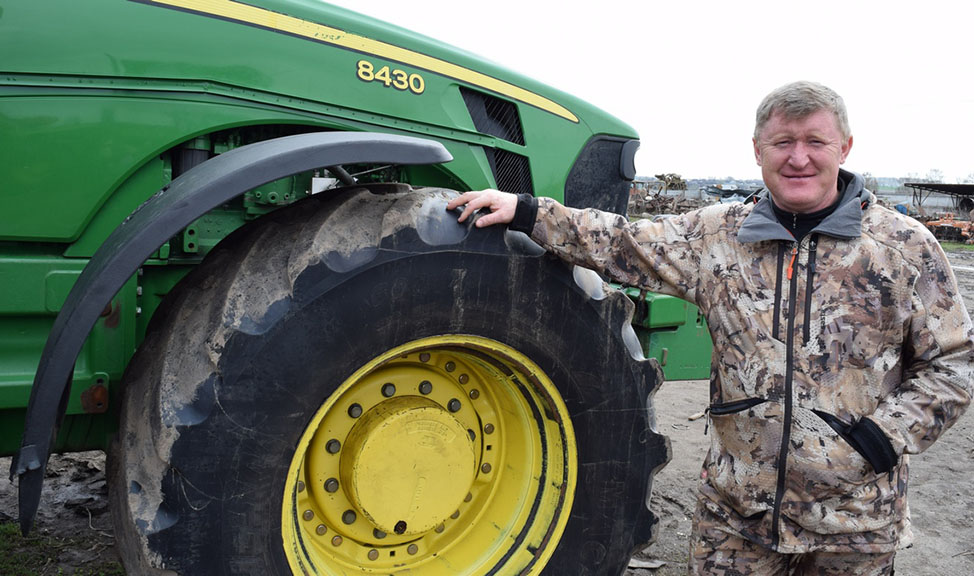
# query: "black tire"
{"points": [[242, 355]]}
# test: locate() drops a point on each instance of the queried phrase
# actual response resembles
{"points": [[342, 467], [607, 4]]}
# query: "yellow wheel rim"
{"points": [[450, 455]]}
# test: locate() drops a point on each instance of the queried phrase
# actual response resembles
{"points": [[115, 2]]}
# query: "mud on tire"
{"points": [[232, 458]]}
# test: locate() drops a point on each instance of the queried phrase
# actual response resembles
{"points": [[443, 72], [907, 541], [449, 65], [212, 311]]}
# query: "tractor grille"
{"points": [[500, 119], [511, 171], [494, 116]]}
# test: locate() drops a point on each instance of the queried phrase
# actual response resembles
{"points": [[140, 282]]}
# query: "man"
{"points": [[841, 343]]}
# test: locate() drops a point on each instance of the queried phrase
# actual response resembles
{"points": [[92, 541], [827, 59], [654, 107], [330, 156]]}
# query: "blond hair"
{"points": [[799, 100]]}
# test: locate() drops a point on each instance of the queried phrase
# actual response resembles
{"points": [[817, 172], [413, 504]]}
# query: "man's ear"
{"points": [[757, 150], [846, 147]]}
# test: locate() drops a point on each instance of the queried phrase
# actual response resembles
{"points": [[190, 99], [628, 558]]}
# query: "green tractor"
{"points": [[225, 260]]}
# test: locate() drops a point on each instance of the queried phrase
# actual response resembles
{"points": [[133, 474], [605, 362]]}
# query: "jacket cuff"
{"points": [[525, 214], [870, 441]]}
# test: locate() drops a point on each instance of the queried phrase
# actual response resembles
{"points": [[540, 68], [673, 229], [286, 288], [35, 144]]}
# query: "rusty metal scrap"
{"points": [[952, 230], [646, 204]]}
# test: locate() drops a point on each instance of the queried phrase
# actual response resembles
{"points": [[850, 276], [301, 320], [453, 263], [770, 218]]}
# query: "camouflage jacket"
{"points": [[862, 319]]}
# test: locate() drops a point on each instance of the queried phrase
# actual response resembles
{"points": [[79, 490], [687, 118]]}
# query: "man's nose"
{"points": [[798, 156]]}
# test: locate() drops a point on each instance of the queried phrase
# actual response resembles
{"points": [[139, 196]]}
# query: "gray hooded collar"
{"points": [[845, 222]]}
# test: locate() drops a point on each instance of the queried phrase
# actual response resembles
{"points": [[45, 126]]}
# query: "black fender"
{"points": [[185, 199]]}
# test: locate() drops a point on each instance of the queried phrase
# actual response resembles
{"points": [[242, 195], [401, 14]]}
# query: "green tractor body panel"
{"points": [[675, 333], [103, 87], [103, 103]]}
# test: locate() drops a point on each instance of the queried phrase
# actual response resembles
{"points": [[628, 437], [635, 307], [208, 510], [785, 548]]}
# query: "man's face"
{"points": [[800, 159]]}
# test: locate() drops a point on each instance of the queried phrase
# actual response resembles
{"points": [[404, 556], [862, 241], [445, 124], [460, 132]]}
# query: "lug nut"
{"points": [[373, 554], [400, 527], [464, 378], [300, 486], [489, 429], [474, 394], [453, 405], [331, 485], [308, 515], [485, 468], [389, 390], [425, 387], [468, 497], [439, 529], [455, 515], [424, 357], [355, 410], [450, 366], [348, 517], [379, 534], [412, 549], [336, 541], [321, 529], [333, 446]]}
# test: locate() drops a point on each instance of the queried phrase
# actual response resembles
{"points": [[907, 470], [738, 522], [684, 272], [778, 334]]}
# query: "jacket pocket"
{"points": [[832, 420], [866, 438], [823, 449], [830, 487], [746, 435], [734, 406]]}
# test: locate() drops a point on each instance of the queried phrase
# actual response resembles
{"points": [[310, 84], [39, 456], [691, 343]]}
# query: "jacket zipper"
{"points": [[809, 279], [735, 406], [730, 408], [775, 331], [786, 424]]}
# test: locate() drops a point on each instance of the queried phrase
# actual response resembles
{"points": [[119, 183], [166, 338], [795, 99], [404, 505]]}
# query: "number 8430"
{"points": [[395, 78]]}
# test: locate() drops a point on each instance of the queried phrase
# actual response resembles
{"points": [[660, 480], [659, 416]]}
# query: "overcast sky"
{"points": [[689, 75]]}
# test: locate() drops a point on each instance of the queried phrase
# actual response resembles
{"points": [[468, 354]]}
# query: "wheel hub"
{"points": [[445, 456], [407, 465]]}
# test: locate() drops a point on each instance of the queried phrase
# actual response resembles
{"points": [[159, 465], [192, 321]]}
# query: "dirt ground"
{"points": [[73, 533]]}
